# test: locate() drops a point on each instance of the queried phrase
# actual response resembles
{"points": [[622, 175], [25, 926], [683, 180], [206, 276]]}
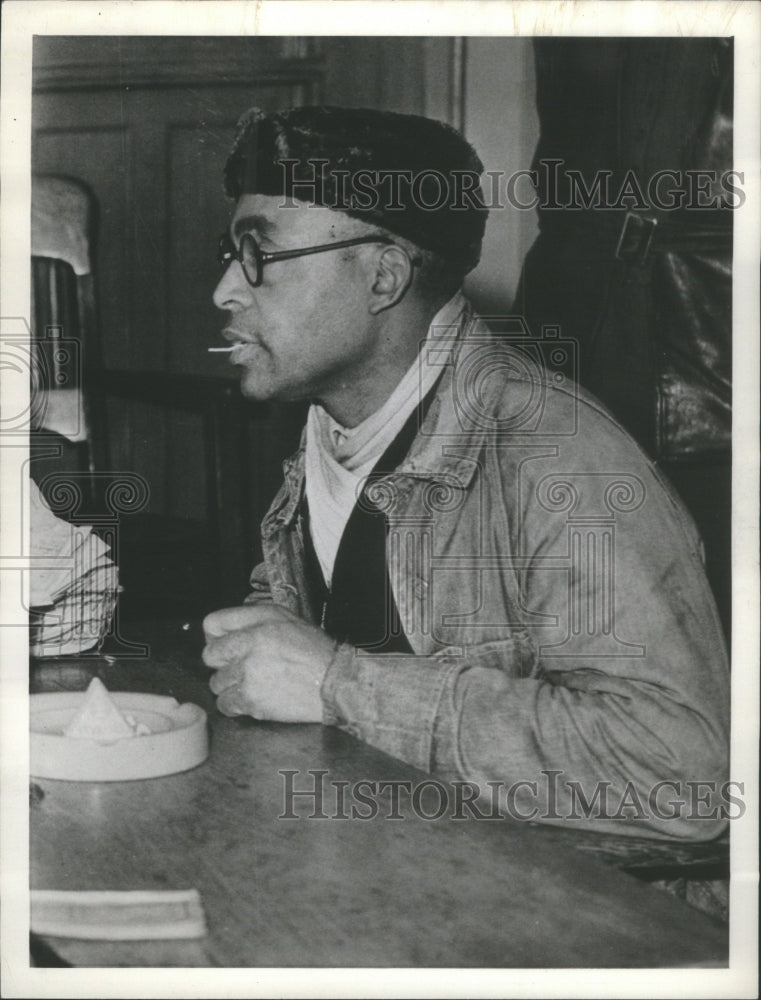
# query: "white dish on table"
{"points": [[178, 739]]}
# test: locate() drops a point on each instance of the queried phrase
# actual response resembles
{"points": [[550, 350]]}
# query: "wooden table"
{"points": [[333, 892]]}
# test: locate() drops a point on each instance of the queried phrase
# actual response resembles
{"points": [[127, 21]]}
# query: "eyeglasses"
{"points": [[252, 258]]}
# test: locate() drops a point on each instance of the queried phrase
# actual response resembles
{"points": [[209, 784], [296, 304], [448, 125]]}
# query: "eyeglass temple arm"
{"points": [[290, 254]]}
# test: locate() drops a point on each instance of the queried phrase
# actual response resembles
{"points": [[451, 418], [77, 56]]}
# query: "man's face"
{"points": [[306, 331]]}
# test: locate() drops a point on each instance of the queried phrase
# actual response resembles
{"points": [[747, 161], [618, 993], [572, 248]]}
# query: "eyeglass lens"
{"points": [[248, 255], [250, 258]]}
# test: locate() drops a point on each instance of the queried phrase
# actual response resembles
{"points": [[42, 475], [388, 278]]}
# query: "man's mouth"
{"points": [[235, 337], [239, 343]]}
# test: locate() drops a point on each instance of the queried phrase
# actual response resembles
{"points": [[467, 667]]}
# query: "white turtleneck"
{"points": [[338, 459]]}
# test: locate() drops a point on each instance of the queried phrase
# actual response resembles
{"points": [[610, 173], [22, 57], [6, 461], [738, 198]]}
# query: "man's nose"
{"points": [[233, 292]]}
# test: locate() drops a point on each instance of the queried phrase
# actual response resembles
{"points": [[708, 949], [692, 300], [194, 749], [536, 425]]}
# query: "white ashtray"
{"points": [[177, 739]]}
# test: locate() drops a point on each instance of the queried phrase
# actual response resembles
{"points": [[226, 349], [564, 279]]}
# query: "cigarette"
{"points": [[219, 350]]}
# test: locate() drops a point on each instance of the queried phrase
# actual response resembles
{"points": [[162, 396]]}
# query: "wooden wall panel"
{"points": [[199, 212], [70, 62], [412, 75], [186, 490]]}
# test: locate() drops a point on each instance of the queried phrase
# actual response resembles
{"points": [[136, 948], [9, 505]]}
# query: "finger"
{"points": [[226, 620], [223, 680], [230, 702], [229, 648]]}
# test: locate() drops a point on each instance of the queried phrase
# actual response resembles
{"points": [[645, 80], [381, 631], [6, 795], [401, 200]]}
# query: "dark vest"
{"points": [[360, 608]]}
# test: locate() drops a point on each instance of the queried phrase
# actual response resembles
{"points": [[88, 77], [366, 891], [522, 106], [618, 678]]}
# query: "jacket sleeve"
{"points": [[626, 744], [260, 586]]}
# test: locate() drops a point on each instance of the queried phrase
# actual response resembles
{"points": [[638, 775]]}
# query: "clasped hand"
{"points": [[269, 663]]}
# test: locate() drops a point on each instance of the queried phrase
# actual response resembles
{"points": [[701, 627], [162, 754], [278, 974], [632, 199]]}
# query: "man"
{"points": [[470, 565]]}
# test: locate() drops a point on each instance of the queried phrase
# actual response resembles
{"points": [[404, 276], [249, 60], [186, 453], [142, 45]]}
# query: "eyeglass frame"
{"points": [[227, 252]]}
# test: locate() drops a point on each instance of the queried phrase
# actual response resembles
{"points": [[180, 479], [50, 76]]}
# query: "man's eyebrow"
{"points": [[259, 223]]}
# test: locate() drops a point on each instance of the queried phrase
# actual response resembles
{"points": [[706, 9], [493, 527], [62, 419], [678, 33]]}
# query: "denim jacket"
{"points": [[566, 644]]}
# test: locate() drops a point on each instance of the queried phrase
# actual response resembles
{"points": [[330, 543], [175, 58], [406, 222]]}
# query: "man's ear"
{"points": [[392, 277]]}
